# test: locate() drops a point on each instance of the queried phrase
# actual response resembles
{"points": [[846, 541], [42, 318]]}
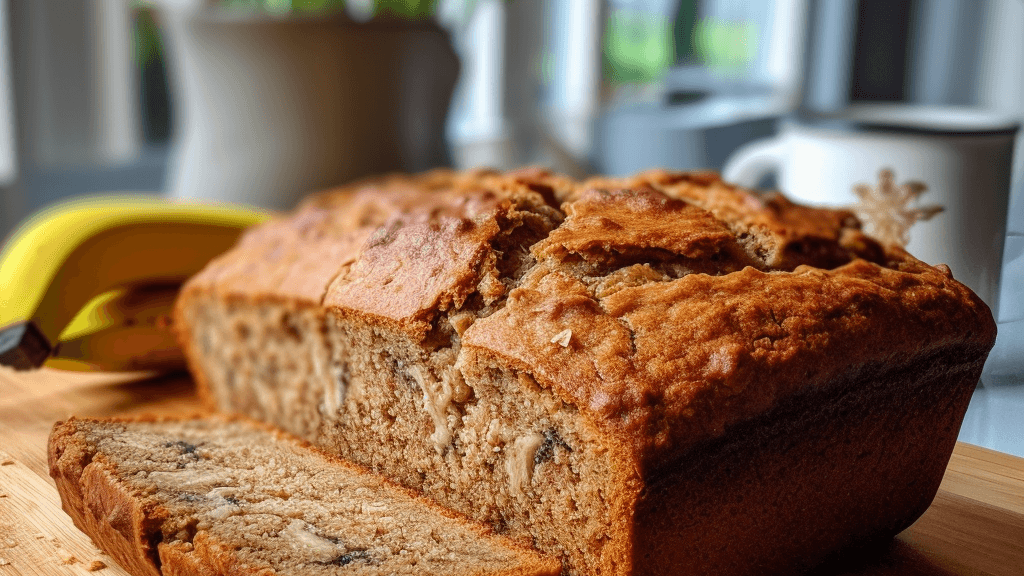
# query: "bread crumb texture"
{"points": [[240, 499]]}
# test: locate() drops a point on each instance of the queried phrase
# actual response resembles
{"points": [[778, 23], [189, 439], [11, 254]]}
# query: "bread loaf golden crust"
{"points": [[658, 314], [664, 361], [765, 337]]}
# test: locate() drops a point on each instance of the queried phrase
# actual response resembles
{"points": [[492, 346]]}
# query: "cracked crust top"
{"points": [[665, 306]]}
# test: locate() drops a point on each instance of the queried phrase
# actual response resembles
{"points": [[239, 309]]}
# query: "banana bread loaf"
{"points": [[651, 375], [213, 497]]}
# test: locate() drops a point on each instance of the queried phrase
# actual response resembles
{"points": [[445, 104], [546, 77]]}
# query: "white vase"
{"points": [[268, 109]]}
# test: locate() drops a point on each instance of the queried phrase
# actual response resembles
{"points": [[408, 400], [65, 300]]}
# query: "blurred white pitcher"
{"points": [[271, 107], [962, 155]]}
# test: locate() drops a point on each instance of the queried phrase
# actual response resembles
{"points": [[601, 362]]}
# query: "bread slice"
{"points": [[220, 496], [644, 376]]}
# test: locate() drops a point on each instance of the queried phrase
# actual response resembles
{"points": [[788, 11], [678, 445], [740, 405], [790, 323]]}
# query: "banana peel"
{"points": [[127, 329], [83, 283]]}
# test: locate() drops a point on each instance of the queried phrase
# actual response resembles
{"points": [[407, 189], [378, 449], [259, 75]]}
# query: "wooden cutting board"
{"points": [[974, 527]]}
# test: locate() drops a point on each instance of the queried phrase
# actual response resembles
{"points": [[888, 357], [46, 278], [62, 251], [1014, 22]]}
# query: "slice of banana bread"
{"points": [[214, 496], [654, 375]]}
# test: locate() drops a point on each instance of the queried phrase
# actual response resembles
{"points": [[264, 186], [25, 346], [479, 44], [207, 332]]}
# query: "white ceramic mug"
{"points": [[963, 156]]}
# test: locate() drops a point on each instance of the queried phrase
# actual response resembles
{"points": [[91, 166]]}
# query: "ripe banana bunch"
{"points": [[89, 284]]}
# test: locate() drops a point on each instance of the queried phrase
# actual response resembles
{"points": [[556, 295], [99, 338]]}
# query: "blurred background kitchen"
{"points": [[260, 101]]}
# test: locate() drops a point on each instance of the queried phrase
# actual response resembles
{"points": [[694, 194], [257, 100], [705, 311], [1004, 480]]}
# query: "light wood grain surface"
{"points": [[974, 527]]}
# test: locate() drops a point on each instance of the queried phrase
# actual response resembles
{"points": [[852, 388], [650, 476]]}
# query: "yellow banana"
{"points": [[65, 256], [127, 329]]}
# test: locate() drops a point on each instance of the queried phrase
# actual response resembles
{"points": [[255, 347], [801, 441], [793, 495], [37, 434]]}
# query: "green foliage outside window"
{"points": [[638, 47], [726, 45], [405, 9], [148, 47]]}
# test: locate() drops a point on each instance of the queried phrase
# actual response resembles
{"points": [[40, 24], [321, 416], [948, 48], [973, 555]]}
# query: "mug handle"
{"points": [[750, 163]]}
